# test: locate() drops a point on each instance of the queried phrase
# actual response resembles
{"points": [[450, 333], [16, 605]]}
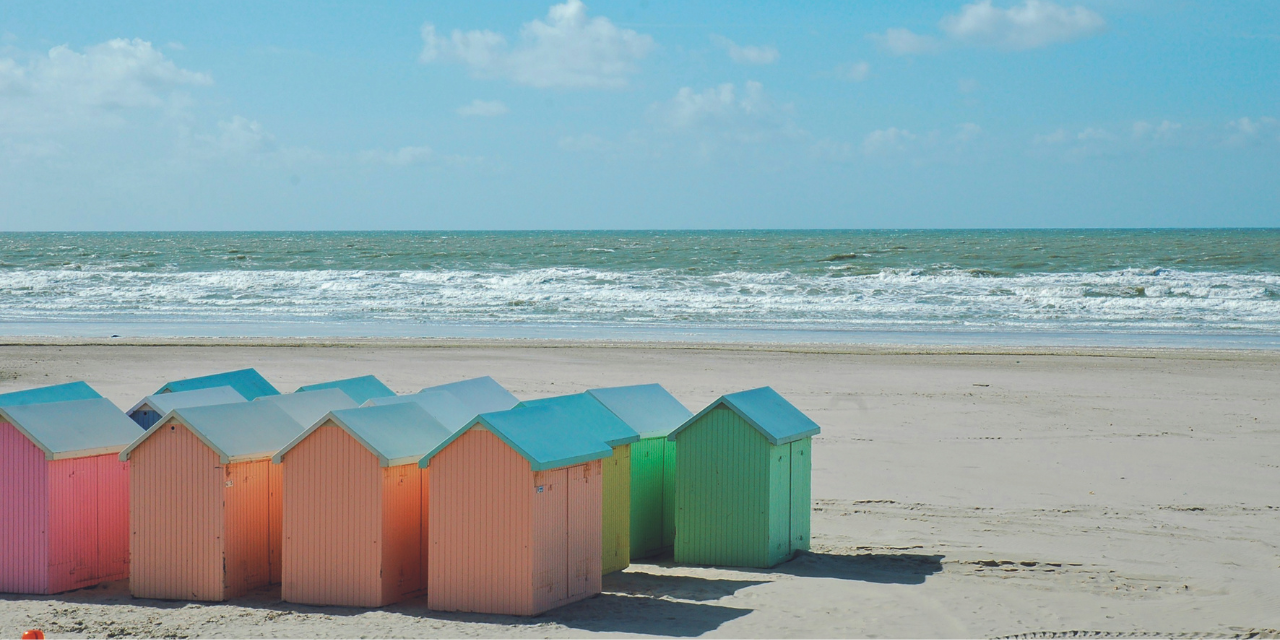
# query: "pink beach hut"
{"points": [[64, 501]]}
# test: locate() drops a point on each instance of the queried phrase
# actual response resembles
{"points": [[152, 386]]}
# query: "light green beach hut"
{"points": [[742, 481], [654, 414]]}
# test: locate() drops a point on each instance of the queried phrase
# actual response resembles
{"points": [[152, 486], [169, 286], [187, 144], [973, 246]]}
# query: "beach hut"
{"points": [[514, 523], [51, 393], [455, 404], [206, 516], [742, 481], [653, 413], [64, 496], [247, 382], [360, 389], [354, 530], [152, 407], [590, 419]]}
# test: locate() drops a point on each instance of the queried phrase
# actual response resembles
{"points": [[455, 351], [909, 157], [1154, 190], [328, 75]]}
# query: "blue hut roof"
{"points": [[397, 433], [543, 435], [72, 428], [165, 402], [442, 405], [305, 407], [483, 395], [247, 382], [360, 389], [53, 393], [776, 419], [647, 408], [239, 431], [589, 417]]}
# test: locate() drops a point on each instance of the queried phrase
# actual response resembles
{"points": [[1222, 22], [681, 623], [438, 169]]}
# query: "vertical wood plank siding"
{"points": [[113, 517], [176, 517], [779, 521], [247, 533], [275, 521], [24, 498], [616, 541], [586, 493], [648, 508], [801, 500], [88, 522], [669, 496], [550, 533], [332, 517], [401, 537], [481, 556]]}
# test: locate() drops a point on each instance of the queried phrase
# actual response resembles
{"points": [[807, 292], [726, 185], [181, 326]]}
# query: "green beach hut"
{"points": [[654, 414], [591, 420], [742, 481]]}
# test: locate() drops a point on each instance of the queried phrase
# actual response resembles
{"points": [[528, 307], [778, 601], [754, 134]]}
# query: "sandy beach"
{"points": [[958, 492]]}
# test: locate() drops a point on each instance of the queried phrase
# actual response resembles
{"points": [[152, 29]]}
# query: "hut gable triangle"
{"points": [[767, 411]]}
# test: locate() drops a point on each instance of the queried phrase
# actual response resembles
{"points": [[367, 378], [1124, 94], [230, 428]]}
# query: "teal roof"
{"points": [[243, 430], [54, 393], [72, 428], [397, 433], [305, 407], [482, 395], [442, 405], [360, 389], [776, 419], [166, 402], [647, 408], [247, 382], [543, 435], [586, 415]]}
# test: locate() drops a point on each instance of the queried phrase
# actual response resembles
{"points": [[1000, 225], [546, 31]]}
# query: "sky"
{"points": [[640, 114]]}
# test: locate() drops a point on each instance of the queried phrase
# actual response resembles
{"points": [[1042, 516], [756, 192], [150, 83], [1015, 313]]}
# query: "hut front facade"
{"points": [[354, 527], [153, 407], [361, 389], [515, 500], [742, 481], [207, 502], [584, 414], [653, 413], [247, 382], [64, 495]]}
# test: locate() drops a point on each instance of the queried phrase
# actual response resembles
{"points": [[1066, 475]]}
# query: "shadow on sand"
{"points": [[883, 568]]}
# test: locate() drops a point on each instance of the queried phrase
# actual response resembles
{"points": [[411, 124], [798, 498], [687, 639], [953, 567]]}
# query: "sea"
{"points": [[1200, 288]]}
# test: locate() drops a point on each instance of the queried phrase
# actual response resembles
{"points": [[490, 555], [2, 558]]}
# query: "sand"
{"points": [[957, 492]]}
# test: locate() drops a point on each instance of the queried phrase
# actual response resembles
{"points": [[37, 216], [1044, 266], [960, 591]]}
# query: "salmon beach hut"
{"points": [[742, 481], [247, 382], [514, 524], [65, 495], [360, 389], [153, 407], [653, 413], [591, 419], [354, 531], [206, 514], [51, 393]]}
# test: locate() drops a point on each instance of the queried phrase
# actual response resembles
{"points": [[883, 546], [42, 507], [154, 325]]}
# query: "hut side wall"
{"points": [[722, 493], [586, 492], [481, 557], [176, 517], [401, 532], [275, 521], [801, 499], [332, 521], [24, 505], [648, 469], [779, 504], [669, 497], [247, 537], [424, 556], [88, 521], [616, 541]]}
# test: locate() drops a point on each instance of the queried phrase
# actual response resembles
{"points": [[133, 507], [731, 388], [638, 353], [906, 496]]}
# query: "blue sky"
{"points": [[649, 114]]}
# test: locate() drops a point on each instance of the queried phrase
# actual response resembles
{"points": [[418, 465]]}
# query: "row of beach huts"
{"points": [[345, 493]]}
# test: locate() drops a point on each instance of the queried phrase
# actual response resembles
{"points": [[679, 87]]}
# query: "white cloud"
{"points": [[723, 103], [895, 143], [888, 140], [854, 72], [568, 49], [483, 109], [1143, 129], [903, 42], [240, 135], [1091, 133], [746, 54], [1248, 130], [402, 157], [1032, 25]]}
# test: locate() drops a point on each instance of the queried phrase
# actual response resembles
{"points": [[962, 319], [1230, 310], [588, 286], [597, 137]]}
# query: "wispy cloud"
{"points": [[746, 54], [483, 109], [854, 71], [1035, 24]]}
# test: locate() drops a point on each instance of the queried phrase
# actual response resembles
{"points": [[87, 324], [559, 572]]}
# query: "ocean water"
{"points": [[1168, 287]]}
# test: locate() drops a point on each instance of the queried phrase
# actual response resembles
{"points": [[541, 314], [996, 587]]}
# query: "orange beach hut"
{"points": [[514, 523], [353, 525], [64, 501], [206, 509]]}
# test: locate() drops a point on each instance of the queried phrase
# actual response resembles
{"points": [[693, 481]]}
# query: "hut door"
{"points": [[584, 524], [75, 521]]}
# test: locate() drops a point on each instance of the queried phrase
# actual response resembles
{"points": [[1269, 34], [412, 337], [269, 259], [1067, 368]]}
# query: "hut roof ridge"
{"points": [[776, 419], [396, 433], [360, 388], [648, 408], [165, 402], [539, 434], [247, 382], [72, 428], [590, 417]]}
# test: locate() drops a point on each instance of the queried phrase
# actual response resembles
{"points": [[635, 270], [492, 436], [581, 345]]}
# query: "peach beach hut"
{"points": [[360, 389], [65, 497], [514, 514], [153, 407], [206, 514], [354, 531]]}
